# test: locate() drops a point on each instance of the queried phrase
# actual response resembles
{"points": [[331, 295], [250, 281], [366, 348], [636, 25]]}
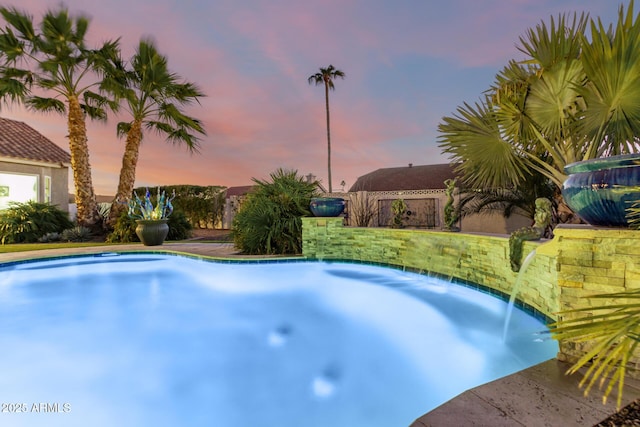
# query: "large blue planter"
{"points": [[601, 190], [327, 206]]}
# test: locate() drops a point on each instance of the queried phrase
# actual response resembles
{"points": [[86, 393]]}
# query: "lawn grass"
{"points": [[24, 247]]}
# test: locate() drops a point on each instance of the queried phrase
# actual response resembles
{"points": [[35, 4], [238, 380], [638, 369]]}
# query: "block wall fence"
{"points": [[579, 262]]}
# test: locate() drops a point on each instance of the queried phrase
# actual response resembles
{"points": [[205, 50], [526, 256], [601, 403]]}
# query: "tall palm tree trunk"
{"points": [[127, 172], [326, 98], [85, 198]]}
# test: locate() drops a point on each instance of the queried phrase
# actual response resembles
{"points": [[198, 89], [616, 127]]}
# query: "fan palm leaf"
{"points": [[612, 330], [474, 141], [612, 67]]}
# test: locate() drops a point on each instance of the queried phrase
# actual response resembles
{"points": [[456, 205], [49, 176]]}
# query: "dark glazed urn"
{"points": [[152, 232], [327, 206], [600, 190]]}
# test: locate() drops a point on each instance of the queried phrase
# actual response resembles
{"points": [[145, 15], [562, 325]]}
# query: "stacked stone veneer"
{"points": [[475, 258], [592, 261], [579, 262]]}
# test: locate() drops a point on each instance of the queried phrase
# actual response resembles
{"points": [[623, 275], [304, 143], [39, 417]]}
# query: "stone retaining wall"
{"points": [[475, 258], [592, 261]]}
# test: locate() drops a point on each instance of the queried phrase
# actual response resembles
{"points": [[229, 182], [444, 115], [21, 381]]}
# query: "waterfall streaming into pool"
{"points": [[160, 340]]}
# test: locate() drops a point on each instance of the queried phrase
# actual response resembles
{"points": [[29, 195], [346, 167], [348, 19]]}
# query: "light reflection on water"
{"points": [[134, 340]]}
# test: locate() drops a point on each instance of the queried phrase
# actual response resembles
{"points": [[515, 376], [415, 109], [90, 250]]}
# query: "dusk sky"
{"points": [[407, 64]]}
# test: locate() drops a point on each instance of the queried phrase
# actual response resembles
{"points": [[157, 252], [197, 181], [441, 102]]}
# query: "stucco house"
{"points": [[32, 167], [423, 189]]}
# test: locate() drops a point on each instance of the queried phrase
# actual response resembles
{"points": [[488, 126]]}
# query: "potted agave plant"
{"points": [[152, 226]]}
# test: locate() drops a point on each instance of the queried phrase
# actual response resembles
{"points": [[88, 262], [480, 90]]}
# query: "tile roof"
{"points": [[424, 177], [20, 141], [239, 190]]}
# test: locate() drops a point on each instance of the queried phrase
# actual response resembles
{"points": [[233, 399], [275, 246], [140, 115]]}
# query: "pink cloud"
{"points": [[252, 59]]}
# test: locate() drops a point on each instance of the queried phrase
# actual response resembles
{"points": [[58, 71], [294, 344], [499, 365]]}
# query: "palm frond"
{"points": [[11, 48], [15, 83], [612, 66], [557, 42], [553, 99], [326, 76], [96, 113], [612, 331], [46, 105], [475, 142], [123, 128], [21, 22]]}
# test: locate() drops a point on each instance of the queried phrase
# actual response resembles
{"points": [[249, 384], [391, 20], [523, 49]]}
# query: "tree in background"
{"points": [[362, 209], [269, 220], [154, 97], [574, 98], [325, 77], [57, 62]]}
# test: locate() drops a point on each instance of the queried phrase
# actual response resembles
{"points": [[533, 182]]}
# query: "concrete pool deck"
{"points": [[538, 396]]}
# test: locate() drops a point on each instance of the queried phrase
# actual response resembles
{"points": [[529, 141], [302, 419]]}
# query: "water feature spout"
{"points": [[514, 292]]}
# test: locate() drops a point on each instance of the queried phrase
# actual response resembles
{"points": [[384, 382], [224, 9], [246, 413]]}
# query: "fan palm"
{"points": [[613, 333], [153, 96], [572, 100], [611, 330], [57, 62], [325, 77]]}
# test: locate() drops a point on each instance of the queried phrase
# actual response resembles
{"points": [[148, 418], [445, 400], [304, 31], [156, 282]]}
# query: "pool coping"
{"points": [[538, 396]]}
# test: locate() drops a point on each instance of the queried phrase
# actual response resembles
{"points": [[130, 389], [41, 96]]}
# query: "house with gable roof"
{"points": [[423, 190], [32, 167]]}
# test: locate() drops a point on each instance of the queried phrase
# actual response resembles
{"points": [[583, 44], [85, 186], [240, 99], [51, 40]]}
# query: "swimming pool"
{"points": [[162, 340]]}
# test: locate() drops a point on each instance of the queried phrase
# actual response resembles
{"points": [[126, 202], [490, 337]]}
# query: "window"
{"points": [[47, 189], [17, 188]]}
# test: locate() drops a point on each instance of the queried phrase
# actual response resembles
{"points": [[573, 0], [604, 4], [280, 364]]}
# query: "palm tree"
{"points": [[152, 96], [325, 77], [57, 62], [576, 98], [573, 99]]}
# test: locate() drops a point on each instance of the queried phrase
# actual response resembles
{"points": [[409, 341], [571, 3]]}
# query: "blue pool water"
{"points": [[158, 340]]}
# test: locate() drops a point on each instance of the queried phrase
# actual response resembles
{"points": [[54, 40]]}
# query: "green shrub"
{"points": [[268, 221], [49, 238], [76, 234], [103, 210], [124, 230], [399, 208], [179, 226], [28, 222]]}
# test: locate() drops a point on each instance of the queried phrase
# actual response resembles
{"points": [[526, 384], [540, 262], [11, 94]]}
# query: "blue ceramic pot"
{"points": [[600, 190], [327, 206]]}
